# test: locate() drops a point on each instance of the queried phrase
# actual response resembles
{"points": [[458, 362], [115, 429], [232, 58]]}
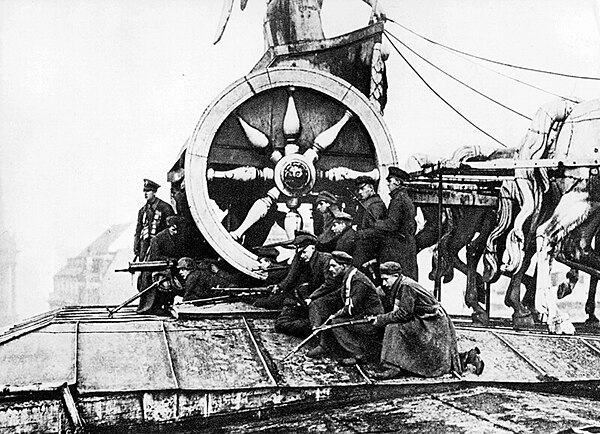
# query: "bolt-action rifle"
{"points": [[260, 290], [324, 327]]}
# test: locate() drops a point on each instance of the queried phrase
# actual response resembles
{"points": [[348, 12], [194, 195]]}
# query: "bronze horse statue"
{"points": [[463, 227], [559, 207]]}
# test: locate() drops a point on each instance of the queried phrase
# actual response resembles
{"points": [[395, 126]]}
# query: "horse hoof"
{"points": [[592, 320], [521, 322], [480, 318]]}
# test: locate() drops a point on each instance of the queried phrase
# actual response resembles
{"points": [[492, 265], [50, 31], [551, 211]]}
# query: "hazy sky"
{"points": [[97, 94]]}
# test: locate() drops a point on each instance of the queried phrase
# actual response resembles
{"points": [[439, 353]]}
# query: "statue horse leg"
{"points": [[590, 304]]}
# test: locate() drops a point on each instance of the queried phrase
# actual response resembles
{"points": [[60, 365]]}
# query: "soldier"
{"points": [[275, 273], [345, 236], [357, 298], [370, 209], [307, 272], [397, 230], [167, 244], [152, 218], [326, 206], [419, 336], [199, 279]]}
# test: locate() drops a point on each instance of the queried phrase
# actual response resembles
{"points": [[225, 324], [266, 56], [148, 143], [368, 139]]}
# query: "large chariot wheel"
{"points": [[268, 142]]}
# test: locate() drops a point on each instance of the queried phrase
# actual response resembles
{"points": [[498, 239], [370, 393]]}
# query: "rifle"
{"points": [[256, 290], [357, 199], [135, 297], [324, 327], [166, 264], [203, 301]]}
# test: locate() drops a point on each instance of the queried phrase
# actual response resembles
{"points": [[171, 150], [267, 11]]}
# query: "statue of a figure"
{"points": [[290, 21]]}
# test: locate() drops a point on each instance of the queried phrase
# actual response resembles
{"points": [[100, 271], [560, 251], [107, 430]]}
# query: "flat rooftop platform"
{"points": [[225, 362]]}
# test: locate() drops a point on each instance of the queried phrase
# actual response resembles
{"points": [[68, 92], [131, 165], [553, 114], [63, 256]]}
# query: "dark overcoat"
{"points": [[152, 219], [419, 335], [367, 243], [397, 233]]}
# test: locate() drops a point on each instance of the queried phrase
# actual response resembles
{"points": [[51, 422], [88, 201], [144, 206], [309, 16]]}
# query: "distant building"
{"points": [[8, 263], [90, 279]]}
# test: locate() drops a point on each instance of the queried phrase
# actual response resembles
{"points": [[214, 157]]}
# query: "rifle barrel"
{"points": [[324, 327], [257, 290]]}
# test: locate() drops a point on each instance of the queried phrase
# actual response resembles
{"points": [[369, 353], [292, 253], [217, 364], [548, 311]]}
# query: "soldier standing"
{"points": [[370, 209], [152, 218], [397, 231]]}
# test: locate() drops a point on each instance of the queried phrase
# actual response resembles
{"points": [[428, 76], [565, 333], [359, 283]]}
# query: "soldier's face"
{"points": [[323, 206], [149, 194], [264, 263], [365, 191], [338, 227], [307, 252], [393, 183], [184, 272], [173, 230], [389, 279], [336, 269]]}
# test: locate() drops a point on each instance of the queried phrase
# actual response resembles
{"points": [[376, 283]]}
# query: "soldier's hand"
{"points": [[307, 301], [273, 289]]}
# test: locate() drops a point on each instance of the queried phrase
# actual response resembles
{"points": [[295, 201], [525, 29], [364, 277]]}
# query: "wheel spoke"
{"points": [[326, 138], [259, 210], [244, 173]]}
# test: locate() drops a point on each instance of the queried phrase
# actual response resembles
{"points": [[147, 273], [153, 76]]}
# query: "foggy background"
{"points": [[96, 95]]}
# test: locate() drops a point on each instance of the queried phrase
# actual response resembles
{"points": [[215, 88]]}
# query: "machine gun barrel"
{"points": [[149, 266]]}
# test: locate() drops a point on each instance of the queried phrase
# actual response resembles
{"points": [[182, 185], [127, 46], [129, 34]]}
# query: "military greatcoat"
{"points": [[367, 243], [419, 335], [152, 218], [397, 233]]}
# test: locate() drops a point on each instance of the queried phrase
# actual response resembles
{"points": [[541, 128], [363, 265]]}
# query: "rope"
{"points": [[542, 71], [454, 78], [442, 98]]}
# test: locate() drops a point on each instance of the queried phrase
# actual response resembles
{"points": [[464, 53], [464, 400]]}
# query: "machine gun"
{"points": [[150, 266]]}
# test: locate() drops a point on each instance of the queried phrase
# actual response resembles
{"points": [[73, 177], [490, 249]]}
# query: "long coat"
{"points": [[397, 233], [152, 219], [419, 335], [359, 298], [367, 243]]}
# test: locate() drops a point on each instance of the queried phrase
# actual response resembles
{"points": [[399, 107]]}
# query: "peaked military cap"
{"points": [[325, 196], [390, 267], [267, 252], [362, 180], [341, 215], [396, 172], [341, 257], [304, 238], [174, 220], [150, 185]]}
